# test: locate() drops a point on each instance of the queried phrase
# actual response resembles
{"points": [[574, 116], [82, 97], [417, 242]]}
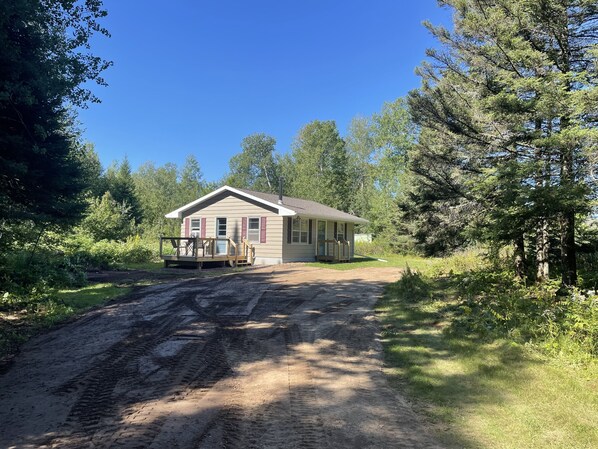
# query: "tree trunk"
{"points": [[568, 256], [520, 266], [542, 237], [542, 247], [568, 253]]}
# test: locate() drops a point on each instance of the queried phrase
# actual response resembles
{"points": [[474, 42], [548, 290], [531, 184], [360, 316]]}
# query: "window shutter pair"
{"points": [[188, 227], [263, 224]]}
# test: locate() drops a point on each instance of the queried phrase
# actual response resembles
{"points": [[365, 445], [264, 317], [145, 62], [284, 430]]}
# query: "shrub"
{"points": [[23, 271], [412, 286], [107, 254], [495, 304]]}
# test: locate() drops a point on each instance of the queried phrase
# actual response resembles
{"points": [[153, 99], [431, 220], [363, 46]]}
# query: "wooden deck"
{"points": [[196, 250], [333, 251]]}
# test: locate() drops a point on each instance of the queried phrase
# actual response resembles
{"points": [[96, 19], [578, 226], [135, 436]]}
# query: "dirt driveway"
{"points": [[276, 357]]}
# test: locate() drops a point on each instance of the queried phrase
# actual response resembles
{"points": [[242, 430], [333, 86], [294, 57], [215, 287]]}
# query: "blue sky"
{"points": [[195, 77]]}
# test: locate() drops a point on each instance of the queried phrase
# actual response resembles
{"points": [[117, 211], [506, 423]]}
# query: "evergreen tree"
{"points": [[192, 185], [508, 120], [120, 184], [44, 63]]}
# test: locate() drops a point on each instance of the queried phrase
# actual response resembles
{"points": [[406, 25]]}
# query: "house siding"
{"points": [[234, 209], [298, 252]]}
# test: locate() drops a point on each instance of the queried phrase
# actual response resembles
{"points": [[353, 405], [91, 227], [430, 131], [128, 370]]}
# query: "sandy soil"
{"points": [[277, 357]]}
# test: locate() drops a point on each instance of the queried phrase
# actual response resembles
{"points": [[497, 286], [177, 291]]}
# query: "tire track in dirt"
{"points": [[305, 419], [241, 361]]}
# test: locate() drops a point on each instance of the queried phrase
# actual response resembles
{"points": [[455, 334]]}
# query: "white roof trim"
{"points": [[178, 213]]}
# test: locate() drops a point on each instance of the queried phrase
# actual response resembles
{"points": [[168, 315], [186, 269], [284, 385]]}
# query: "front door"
{"points": [[321, 238], [221, 234]]}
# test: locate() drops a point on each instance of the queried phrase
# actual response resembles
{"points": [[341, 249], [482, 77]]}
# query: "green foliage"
{"points": [[119, 182], [496, 305], [488, 302], [472, 389], [106, 254], [22, 272], [412, 286], [256, 167], [319, 168], [191, 185], [163, 189], [506, 126], [44, 65], [108, 220]]}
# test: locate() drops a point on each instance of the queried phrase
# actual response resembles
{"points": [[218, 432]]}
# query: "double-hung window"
{"points": [[195, 227], [253, 229], [300, 230]]}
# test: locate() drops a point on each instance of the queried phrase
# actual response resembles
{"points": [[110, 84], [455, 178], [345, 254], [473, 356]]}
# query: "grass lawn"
{"points": [[146, 266], [394, 260], [89, 296], [478, 394]]}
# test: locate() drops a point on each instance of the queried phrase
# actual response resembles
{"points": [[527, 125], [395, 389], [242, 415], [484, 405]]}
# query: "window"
{"points": [[195, 227], [253, 230], [340, 231], [300, 230]]}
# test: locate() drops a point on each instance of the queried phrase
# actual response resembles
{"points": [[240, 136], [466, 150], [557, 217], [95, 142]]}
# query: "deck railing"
{"points": [[333, 250], [206, 248]]}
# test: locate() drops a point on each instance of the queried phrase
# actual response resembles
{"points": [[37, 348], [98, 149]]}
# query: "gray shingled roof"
{"points": [[307, 208]]}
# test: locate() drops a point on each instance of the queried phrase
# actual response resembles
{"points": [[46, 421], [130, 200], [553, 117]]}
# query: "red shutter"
{"points": [[187, 226], [243, 228], [203, 228], [263, 230]]}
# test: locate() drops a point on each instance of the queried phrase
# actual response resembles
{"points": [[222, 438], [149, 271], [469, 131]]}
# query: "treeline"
{"points": [[360, 173], [124, 202], [498, 145]]}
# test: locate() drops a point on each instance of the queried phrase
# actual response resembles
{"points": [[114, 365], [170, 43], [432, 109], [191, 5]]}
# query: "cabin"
{"points": [[244, 227]]}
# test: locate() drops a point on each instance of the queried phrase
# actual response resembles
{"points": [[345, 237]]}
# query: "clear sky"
{"points": [[195, 77]]}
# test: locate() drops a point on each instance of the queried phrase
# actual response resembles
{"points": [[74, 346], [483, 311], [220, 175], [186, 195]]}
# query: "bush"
{"points": [[107, 254], [495, 304], [412, 286], [380, 246], [24, 271]]}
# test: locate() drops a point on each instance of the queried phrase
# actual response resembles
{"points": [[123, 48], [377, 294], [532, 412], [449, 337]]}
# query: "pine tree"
{"points": [[44, 63], [508, 110], [120, 184]]}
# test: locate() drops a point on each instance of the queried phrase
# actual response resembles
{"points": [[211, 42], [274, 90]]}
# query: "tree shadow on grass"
{"points": [[445, 373]]}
